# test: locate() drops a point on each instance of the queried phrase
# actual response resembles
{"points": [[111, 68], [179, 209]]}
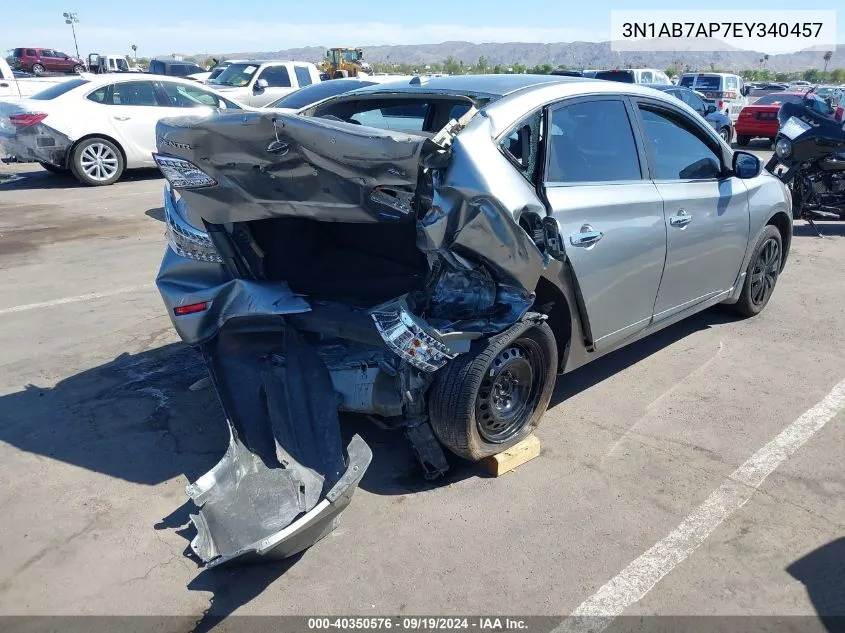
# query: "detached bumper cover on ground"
{"points": [[284, 478]]}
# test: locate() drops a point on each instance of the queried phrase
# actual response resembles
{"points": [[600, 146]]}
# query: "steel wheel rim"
{"points": [[99, 162], [509, 392], [765, 272]]}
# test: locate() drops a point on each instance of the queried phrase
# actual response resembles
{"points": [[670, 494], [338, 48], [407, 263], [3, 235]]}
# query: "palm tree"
{"points": [[764, 59], [135, 52], [827, 57]]}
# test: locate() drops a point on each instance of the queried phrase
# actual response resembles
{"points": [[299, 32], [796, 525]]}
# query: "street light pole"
{"points": [[72, 18]]}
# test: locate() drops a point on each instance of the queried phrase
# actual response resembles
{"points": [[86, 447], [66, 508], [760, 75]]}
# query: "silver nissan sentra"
{"points": [[433, 254]]}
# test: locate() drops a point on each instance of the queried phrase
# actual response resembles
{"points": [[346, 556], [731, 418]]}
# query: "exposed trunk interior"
{"points": [[367, 263]]}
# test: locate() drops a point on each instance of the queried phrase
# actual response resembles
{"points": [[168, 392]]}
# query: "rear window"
{"points": [[318, 92], [18, 52], [625, 76], [777, 99], [710, 84], [687, 81], [57, 90]]}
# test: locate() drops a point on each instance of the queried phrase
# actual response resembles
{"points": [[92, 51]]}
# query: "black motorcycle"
{"points": [[810, 146]]}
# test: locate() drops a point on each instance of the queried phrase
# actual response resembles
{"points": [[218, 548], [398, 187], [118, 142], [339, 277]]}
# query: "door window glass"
{"points": [[522, 144], [276, 76], [133, 93], [592, 141], [182, 96], [303, 77], [678, 153]]}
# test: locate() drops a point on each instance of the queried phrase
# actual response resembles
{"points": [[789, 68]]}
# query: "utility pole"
{"points": [[72, 18]]}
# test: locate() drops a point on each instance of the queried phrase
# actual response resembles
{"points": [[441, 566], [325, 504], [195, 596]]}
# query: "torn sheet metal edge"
{"points": [[299, 535]]}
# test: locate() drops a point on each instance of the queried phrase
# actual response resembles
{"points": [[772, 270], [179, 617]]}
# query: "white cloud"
{"points": [[193, 37]]}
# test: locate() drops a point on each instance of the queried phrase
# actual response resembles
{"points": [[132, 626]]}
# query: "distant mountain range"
{"points": [[573, 54]]}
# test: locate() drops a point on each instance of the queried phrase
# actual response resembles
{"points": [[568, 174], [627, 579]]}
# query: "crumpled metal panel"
{"points": [[183, 281], [271, 165]]}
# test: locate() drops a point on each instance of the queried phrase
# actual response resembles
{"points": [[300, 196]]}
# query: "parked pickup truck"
{"points": [[257, 83], [16, 87]]}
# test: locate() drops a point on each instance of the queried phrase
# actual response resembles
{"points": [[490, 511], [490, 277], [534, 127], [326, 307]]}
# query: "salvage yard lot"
{"points": [[99, 433]]}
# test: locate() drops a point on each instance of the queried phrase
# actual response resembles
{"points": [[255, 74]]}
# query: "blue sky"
{"points": [[190, 26]]}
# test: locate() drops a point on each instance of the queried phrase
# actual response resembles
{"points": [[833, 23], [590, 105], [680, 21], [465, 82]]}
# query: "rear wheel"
{"points": [[725, 133], [37, 69], [742, 139], [97, 161], [491, 398], [762, 273]]}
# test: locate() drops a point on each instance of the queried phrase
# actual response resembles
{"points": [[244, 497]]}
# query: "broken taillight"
{"points": [[407, 337], [27, 119], [182, 174]]}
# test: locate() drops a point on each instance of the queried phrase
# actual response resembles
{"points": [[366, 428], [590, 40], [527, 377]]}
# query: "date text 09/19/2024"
{"points": [[418, 623]]}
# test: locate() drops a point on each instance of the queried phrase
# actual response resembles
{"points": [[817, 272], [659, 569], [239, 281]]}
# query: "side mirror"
{"points": [[746, 165], [261, 84], [709, 108], [746, 90]]}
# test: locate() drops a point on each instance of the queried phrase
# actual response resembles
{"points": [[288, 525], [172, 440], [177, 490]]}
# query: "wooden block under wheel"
{"points": [[517, 455]]}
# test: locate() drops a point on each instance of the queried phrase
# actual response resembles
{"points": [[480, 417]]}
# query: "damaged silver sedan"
{"points": [[433, 254]]}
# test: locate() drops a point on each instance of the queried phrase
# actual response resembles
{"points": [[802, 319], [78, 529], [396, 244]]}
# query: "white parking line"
{"points": [[76, 299], [632, 584]]}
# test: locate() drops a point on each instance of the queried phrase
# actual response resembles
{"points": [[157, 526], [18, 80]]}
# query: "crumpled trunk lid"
{"points": [[275, 165]]}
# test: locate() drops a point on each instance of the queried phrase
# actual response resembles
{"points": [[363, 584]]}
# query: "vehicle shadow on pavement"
{"points": [[821, 573], [155, 214], [603, 368], [38, 178], [827, 229]]}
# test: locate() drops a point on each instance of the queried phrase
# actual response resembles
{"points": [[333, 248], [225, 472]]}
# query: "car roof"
{"points": [[492, 85], [94, 81]]}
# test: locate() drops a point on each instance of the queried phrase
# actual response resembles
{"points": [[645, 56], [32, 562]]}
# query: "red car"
{"points": [[761, 117], [40, 60]]}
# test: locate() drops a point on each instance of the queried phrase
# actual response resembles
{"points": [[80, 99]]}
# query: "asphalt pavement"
{"points": [[698, 471]]}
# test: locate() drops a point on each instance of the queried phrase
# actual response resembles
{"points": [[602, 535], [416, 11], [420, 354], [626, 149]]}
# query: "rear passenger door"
{"points": [[132, 108], [610, 214], [707, 217]]}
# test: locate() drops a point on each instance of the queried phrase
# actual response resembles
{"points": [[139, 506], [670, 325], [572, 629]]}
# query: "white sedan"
{"points": [[98, 127]]}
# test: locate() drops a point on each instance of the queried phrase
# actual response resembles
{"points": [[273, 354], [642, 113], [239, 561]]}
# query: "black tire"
{"points": [[78, 69], [53, 169], [84, 151], [37, 69], [742, 140], [457, 399], [764, 268]]}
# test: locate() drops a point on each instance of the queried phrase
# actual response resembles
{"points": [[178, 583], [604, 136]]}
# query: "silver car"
{"points": [[433, 254]]}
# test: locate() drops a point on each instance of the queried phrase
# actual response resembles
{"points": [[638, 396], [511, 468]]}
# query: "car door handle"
{"points": [[4, 85], [682, 219], [122, 118], [587, 237]]}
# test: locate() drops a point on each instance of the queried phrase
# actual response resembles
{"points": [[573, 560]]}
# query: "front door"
{"points": [[707, 217], [610, 214], [278, 85]]}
